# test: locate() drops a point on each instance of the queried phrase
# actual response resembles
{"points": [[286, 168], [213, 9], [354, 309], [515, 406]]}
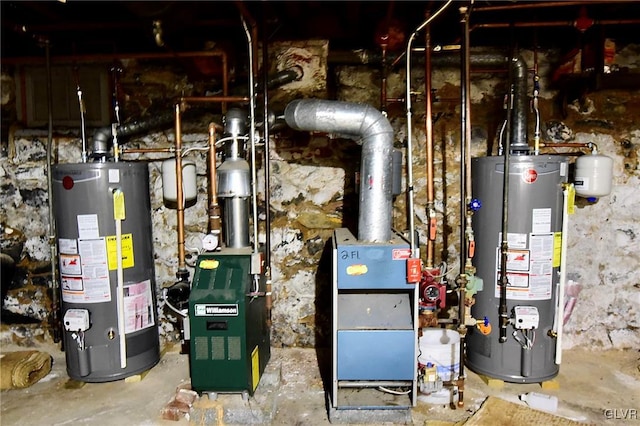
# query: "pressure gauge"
{"points": [[431, 293], [210, 242], [434, 295]]}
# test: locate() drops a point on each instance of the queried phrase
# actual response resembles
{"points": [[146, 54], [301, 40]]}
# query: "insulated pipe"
{"points": [[281, 78], [372, 128]]}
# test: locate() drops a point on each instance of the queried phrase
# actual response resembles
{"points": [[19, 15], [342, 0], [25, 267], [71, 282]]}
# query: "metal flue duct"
{"points": [[369, 126]]}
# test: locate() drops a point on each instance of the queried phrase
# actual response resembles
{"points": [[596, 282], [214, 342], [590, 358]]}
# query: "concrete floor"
{"points": [[594, 387]]}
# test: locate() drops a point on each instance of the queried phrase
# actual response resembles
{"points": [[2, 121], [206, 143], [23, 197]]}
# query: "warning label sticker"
{"points": [[127, 251], [399, 254], [138, 306], [70, 264]]}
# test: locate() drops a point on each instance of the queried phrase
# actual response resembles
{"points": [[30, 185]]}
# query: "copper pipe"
{"points": [[566, 145], [538, 5], [225, 81], [118, 56], [553, 23], [205, 99], [97, 26], [524, 24], [144, 150], [442, 49], [182, 270], [429, 134], [617, 22], [215, 225]]}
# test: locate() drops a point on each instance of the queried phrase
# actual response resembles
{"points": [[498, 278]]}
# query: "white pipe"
{"points": [[118, 214], [83, 113], [252, 137], [410, 212], [563, 272]]}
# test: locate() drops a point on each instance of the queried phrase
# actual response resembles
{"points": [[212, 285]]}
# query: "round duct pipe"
{"points": [[370, 127]]}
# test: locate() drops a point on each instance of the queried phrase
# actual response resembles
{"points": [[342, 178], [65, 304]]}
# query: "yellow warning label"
{"points": [[209, 264], [255, 367], [571, 199], [557, 249], [118, 205], [357, 269], [127, 251]]}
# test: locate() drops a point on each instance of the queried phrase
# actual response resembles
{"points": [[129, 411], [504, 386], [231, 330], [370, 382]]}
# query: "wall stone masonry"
{"points": [[313, 191]]}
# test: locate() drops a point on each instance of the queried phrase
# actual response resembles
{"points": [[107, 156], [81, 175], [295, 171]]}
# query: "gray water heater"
{"points": [[107, 278], [535, 203]]}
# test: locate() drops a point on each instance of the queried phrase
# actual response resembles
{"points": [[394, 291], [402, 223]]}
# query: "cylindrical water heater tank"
{"points": [[170, 184], [535, 204], [102, 209], [594, 175]]}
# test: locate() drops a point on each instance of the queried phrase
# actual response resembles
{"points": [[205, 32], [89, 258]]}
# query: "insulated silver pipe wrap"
{"points": [[371, 128]]}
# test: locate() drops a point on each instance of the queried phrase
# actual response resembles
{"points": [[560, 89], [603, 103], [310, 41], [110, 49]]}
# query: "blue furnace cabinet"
{"points": [[375, 319]]}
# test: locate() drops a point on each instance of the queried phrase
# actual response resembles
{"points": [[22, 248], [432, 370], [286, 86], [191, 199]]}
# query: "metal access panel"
{"points": [[230, 339], [375, 336], [365, 265], [374, 324]]}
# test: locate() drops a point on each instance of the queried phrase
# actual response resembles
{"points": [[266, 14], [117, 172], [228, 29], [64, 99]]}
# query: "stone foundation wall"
{"points": [[313, 191]]}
